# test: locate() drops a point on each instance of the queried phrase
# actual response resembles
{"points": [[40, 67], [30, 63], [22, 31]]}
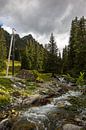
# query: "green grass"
{"points": [[4, 100], [17, 65], [31, 85], [7, 89], [5, 82]]}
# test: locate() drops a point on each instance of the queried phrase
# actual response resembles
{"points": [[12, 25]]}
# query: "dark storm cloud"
{"points": [[41, 16], [3, 4]]}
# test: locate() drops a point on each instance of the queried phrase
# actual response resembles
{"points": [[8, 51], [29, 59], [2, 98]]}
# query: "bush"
{"points": [[69, 78], [35, 73], [80, 80], [45, 76], [39, 80]]}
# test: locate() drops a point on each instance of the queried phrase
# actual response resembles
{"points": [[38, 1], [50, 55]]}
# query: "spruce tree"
{"points": [[77, 47], [52, 60], [33, 54], [65, 60], [80, 57], [2, 49]]}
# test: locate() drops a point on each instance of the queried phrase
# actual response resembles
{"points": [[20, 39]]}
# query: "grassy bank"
{"points": [[17, 65]]}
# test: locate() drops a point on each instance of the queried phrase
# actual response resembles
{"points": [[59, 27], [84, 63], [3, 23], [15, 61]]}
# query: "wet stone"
{"points": [[71, 127]]}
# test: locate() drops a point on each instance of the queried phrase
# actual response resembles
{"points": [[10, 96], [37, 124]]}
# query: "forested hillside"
{"points": [[33, 56], [30, 53]]}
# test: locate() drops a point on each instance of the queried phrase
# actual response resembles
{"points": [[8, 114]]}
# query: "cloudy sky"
{"points": [[41, 17]]}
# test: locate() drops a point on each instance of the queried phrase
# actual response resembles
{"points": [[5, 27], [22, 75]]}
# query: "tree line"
{"points": [[33, 55], [74, 55]]}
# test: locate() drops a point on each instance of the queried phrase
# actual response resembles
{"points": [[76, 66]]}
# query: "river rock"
{"points": [[71, 127], [26, 74], [5, 124], [40, 101], [16, 94], [62, 104]]}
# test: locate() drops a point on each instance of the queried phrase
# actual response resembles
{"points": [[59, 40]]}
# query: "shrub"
{"points": [[39, 80], [80, 80], [35, 73], [69, 78]]}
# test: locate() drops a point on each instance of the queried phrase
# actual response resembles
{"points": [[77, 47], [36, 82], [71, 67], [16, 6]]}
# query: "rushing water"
{"points": [[44, 117]]}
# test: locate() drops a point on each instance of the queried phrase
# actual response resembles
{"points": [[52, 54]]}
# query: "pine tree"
{"points": [[2, 49], [65, 60], [77, 47], [33, 54], [72, 48], [81, 46], [52, 60], [52, 46]]}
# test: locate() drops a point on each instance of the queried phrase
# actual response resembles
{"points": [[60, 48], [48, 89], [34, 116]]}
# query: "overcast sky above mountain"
{"points": [[41, 17]]}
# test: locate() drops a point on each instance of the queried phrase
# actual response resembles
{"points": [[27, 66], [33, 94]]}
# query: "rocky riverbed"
{"points": [[54, 105]]}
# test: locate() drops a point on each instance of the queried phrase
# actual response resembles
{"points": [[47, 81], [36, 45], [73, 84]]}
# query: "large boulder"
{"points": [[26, 74], [71, 127]]}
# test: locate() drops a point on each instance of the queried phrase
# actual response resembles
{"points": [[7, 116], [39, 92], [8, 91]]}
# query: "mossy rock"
{"points": [[39, 80], [26, 74]]}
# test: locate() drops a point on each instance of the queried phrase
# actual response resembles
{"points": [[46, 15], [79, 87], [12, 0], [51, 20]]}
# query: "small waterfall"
{"points": [[37, 118], [66, 96]]}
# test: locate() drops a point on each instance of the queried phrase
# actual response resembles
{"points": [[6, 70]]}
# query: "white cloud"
{"points": [[62, 40], [67, 12], [41, 17], [8, 29]]}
